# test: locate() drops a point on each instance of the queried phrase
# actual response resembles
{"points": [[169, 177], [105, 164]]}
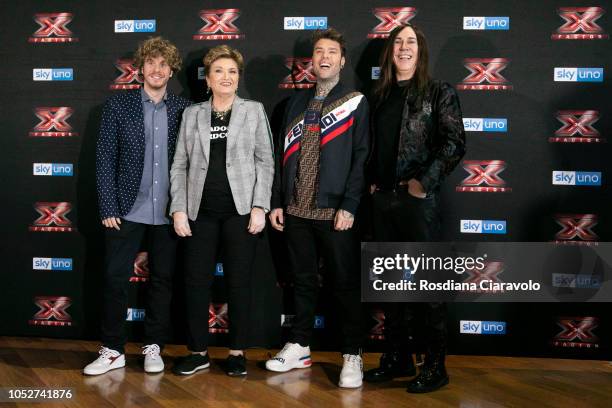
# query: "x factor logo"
{"points": [[129, 78], [490, 273], [52, 311], [483, 172], [53, 217], [577, 127], [580, 24], [52, 28], [219, 25], [53, 122], [485, 75], [576, 229], [141, 268], [577, 332], [391, 17], [301, 75], [218, 321], [377, 332]]}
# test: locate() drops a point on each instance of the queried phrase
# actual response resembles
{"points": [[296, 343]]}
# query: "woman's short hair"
{"points": [[223, 51], [158, 47]]}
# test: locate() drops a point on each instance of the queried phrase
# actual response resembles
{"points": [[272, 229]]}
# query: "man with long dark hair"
{"points": [[418, 139]]}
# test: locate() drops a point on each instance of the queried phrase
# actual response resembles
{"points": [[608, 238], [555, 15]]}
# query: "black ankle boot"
{"points": [[392, 365], [433, 375]]}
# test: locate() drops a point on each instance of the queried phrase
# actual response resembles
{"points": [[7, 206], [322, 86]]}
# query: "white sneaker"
{"points": [[153, 362], [291, 356], [108, 360], [351, 375]]}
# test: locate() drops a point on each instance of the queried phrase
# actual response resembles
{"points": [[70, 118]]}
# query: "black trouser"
{"points": [[121, 249], [401, 217], [208, 232], [340, 250]]}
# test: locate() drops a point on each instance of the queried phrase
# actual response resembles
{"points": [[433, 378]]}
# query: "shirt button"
{"points": [[156, 128], [155, 199], [156, 164], [155, 181], [157, 146]]}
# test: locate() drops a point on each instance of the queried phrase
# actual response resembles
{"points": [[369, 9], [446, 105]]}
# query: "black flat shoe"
{"points": [[236, 366]]}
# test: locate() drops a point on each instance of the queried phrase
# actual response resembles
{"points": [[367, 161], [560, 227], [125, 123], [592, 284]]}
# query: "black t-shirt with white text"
{"points": [[217, 194]]}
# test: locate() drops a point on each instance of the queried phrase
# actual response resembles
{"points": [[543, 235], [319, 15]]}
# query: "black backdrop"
{"points": [[65, 303]]}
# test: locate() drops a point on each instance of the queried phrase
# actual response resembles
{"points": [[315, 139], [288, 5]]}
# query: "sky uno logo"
{"points": [[52, 264], [52, 74], [219, 269], [135, 315], [482, 226], [486, 23], [480, 327], [287, 321], [135, 26], [375, 73], [576, 178], [52, 169], [579, 74], [305, 23], [485, 124], [568, 280]]}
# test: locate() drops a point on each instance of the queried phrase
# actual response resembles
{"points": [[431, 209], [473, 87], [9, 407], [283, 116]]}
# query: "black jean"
{"points": [[340, 250], [122, 246], [208, 232], [401, 217]]}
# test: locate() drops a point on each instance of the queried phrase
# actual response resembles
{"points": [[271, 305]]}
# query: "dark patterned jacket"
{"points": [[432, 138], [345, 140], [121, 148]]}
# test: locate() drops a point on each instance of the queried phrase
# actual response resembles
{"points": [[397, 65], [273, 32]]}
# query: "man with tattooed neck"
{"points": [[318, 184]]}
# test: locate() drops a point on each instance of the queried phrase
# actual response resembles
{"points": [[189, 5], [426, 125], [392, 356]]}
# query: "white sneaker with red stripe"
{"points": [[291, 356], [109, 360]]}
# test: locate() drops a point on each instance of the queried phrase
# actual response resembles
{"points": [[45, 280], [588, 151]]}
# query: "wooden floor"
{"points": [[475, 381]]}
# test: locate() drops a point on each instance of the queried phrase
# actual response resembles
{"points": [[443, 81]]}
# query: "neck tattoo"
{"points": [[324, 86]]}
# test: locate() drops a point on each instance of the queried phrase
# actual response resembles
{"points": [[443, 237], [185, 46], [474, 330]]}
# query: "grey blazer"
{"points": [[249, 158]]}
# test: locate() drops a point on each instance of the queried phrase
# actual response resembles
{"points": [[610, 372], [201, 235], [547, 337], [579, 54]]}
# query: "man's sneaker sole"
{"points": [[150, 371], [304, 362], [198, 368], [121, 365], [341, 385]]}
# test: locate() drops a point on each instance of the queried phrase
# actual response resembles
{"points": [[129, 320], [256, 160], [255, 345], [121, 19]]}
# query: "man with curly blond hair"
{"points": [[133, 158]]}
